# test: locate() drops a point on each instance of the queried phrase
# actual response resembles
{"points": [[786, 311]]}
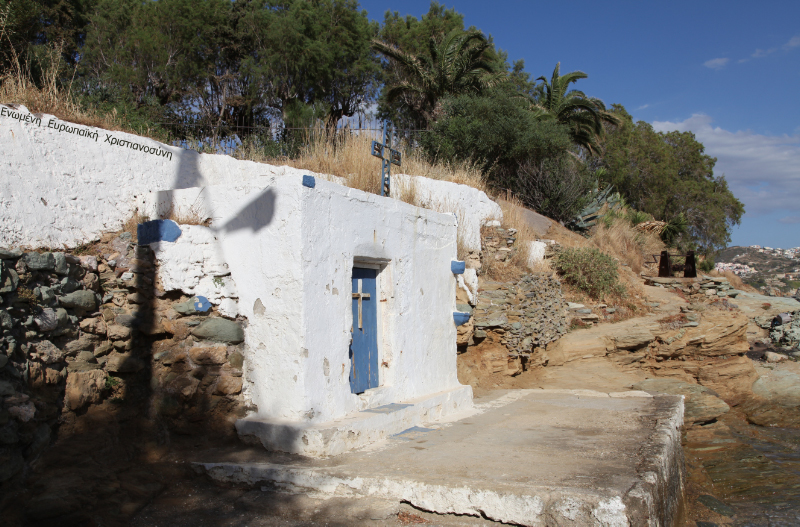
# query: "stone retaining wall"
{"points": [[96, 329]]}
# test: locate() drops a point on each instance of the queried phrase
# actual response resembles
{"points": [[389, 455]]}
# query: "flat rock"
{"points": [[10, 254], [40, 262], [79, 300], [780, 385], [123, 363], [220, 330]]}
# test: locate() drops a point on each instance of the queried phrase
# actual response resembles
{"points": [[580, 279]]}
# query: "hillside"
{"points": [[766, 264]]}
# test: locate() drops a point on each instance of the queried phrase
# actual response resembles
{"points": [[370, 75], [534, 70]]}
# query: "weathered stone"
{"points": [[10, 254], [771, 356], [6, 322], [46, 319], [68, 285], [83, 388], [236, 360], [715, 505], [129, 321], [177, 328], [118, 332], [209, 355], [185, 386], [60, 265], [228, 385], [103, 349], [136, 298], [220, 330], [96, 326], [79, 300], [40, 262], [3, 361], [86, 341], [23, 412], [48, 352], [79, 365], [123, 363], [89, 262]]}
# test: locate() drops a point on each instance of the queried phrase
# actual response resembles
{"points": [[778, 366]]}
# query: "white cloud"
{"points": [[793, 43], [716, 64], [642, 107], [762, 171], [790, 220]]}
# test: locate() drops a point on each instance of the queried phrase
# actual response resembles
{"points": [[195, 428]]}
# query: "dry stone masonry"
{"points": [[94, 328]]}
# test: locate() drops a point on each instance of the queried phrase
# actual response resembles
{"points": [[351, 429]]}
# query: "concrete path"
{"points": [[529, 457]]}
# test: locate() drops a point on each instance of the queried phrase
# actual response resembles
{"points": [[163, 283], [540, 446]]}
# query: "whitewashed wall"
{"points": [[290, 251], [64, 188], [472, 206]]}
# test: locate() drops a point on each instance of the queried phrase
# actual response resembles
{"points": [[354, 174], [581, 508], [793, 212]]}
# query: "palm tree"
{"points": [[456, 65], [583, 115]]}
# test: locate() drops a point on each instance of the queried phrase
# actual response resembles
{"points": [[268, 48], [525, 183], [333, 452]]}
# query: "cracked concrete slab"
{"points": [[528, 457]]}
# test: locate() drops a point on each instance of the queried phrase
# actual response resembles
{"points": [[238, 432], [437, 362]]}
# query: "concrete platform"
{"points": [[355, 430], [528, 457]]}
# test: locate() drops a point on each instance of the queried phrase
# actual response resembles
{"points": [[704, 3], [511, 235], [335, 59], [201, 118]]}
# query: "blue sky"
{"points": [[729, 71]]}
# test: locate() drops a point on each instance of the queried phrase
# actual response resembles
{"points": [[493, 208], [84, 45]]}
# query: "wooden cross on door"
{"points": [[378, 150], [360, 296]]}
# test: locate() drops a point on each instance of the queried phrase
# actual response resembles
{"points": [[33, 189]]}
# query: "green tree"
{"points": [[300, 52], [453, 66], [515, 148], [583, 115], [669, 175]]}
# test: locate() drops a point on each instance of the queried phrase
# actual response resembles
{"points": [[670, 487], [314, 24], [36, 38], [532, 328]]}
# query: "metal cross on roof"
{"points": [[381, 150]]}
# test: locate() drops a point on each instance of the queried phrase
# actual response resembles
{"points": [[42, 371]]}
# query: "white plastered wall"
{"points": [[62, 189], [290, 251], [416, 292]]}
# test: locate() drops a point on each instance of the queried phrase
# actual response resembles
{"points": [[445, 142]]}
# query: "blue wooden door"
{"points": [[364, 348]]}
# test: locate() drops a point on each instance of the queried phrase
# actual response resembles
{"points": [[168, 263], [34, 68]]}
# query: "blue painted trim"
{"points": [[458, 267], [157, 231], [201, 304], [461, 318], [309, 181]]}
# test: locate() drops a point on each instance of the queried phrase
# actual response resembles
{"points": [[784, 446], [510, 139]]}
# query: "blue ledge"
{"points": [[458, 267], [309, 181], [201, 304], [461, 318], [157, 231]]}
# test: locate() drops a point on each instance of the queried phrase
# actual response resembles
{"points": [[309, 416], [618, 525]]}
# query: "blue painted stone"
{"points": [[309, 181], [458, 267], [461, 318], [413, 433], [157, 231], [201, 304]]}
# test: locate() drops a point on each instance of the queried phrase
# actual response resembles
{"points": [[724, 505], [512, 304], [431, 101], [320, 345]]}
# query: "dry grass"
{"points": [[132, 223], [17, 87], [349, 156], [623, 241], [186, 216]]}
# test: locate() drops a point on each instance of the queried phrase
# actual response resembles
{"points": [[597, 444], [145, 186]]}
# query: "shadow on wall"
{"points": [[255, 215]]}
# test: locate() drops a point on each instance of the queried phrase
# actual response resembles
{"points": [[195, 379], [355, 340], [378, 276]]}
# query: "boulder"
{"points": [[84, 300], [118, 332], [781, 385], [96, 326], [219, 330], [83, 388], [771, 356]]}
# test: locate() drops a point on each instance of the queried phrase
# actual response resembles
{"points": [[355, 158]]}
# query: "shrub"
{"points": [[589, 270]]}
